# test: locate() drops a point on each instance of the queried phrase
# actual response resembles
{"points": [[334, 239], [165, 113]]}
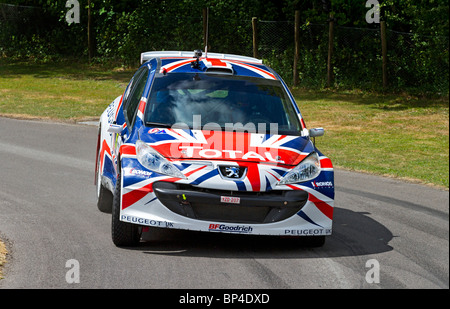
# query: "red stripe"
{"points": [[105, 148], [96, 159], [253, 177], [173, 67], [279, 139], [256, 68], [326, 209], [326, 163], [132, 197], [216, 62], [128, 150], [196, 170], [120, 104], [142, 106], [303, 123], [173, 131], [274, 176]]}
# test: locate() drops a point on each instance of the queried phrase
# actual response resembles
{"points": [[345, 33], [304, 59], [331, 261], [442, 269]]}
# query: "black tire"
{"points": [[123, 234], [105, 200], [313, 241]]}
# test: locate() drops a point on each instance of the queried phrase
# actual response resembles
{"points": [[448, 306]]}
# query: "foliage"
{"points": [[417, 30]]}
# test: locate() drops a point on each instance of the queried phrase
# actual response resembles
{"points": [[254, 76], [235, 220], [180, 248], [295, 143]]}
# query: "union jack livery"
{"points": [[212, 143]]}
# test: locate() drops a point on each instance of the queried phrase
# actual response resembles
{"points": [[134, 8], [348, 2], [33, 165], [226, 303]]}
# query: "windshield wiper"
{"points": [[158, 124]]}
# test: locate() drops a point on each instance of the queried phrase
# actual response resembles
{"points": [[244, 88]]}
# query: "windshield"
{"points": [[222, 103]]}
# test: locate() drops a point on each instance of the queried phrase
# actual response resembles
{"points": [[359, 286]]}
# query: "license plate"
{"points": [[230, 200]]}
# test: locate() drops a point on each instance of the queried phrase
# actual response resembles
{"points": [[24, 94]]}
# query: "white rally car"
{"points": [[212, 143]]}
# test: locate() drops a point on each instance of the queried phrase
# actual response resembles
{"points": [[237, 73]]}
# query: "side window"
{"points": [[127, 92], [134, 94]]}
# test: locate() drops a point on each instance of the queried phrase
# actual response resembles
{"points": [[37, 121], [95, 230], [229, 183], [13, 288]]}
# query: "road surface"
{"points": [[387, 233]]}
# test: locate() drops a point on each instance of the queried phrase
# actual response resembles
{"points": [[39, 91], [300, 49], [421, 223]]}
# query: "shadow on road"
{"points": [[354, 233]]}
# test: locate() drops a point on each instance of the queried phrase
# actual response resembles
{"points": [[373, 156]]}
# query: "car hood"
{"points": [[186, 144]]}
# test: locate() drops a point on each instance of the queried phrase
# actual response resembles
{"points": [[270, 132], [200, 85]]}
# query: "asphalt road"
{"points": [[387, 233]]}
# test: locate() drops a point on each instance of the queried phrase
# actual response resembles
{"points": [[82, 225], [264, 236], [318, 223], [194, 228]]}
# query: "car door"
{"points": [[134, 95], [131, 99]]}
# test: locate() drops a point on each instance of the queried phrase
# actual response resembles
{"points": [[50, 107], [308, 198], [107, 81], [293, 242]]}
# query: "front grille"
{"points": [[205, 204]]}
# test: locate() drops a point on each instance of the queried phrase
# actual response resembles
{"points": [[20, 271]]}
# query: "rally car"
{"points": [[212, 143]]}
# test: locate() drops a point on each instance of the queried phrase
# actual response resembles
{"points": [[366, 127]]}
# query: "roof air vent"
{"points": [[217, 66]]}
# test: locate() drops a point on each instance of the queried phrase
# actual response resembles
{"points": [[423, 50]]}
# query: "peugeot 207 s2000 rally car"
{"points": [[212, 143]]}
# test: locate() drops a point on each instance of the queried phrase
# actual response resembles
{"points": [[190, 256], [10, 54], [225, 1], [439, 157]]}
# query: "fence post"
{"points": [[89, 33], [330, 51], [384, 52], [297, 47], [255, 37]]}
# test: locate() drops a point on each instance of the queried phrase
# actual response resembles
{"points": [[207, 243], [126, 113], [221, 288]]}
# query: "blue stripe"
{"points": [[304, 216], [205, 177], [298, 143], [241, 185], [150, 201], [279, 172], [268, 186]]}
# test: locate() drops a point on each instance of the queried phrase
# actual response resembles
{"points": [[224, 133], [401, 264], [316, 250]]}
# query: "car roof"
{"points": [[225, 64]]}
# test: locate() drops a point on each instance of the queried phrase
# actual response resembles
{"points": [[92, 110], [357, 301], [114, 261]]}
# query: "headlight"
{"points": [[155, 162], [308, 169]]}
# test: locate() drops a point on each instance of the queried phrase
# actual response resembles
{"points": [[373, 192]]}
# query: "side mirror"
{"points": [[316, 132], [116, 128]]}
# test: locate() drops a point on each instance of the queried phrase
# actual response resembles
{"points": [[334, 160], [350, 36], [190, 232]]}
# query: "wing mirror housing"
{"points": [[116, 128], [316, 132]]}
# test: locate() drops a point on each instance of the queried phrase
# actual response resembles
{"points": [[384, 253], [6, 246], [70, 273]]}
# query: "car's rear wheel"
{"points": [[123, 233]]}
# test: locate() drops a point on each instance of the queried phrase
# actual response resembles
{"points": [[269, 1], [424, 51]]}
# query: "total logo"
{"points": [[230, 228], [194, 151]]}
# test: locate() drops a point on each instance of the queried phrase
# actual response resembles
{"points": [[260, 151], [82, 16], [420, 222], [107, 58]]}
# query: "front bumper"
{"points": [[229, 206], [279, 212]]}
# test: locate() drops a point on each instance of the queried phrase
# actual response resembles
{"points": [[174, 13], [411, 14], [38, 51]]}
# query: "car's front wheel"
{"points": [[123, 233]]}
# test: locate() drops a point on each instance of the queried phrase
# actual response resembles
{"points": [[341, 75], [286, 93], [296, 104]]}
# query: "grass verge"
{"points": [[3, 253], [64, 91], [392, 135], [399, 136]]}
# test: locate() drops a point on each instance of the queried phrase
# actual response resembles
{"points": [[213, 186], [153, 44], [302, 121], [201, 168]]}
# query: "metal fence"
{"points": [[414, 62]]}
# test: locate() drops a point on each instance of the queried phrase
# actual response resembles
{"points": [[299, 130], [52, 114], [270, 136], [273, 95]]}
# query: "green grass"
{"points": [[394, 135], [67, 91], [3, 253]]}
